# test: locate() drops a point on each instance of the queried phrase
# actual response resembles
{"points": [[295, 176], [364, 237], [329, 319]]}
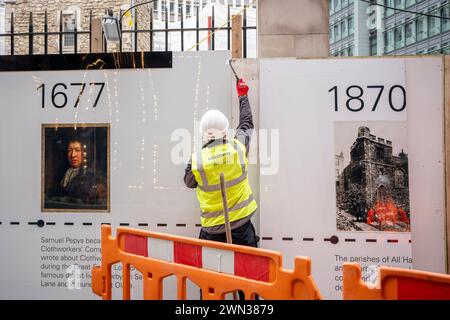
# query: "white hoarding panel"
{"points": [[354, 163], [129, 126]]}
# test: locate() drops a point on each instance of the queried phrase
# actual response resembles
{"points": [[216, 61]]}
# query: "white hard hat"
{"points": [[214, 124]]}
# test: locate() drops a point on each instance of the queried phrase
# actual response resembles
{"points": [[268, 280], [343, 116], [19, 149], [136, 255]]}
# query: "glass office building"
{"points": [[358, 28]]}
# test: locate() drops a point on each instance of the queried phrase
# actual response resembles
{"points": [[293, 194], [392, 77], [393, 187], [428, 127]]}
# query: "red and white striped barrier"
{"points": [[216, 268], [201, 256]]}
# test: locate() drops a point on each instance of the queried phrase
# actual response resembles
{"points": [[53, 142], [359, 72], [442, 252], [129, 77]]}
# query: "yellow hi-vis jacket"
{"points": [[207, 166]]}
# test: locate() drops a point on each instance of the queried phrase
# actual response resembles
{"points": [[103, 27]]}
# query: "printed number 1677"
{"points": [[59, 97]]}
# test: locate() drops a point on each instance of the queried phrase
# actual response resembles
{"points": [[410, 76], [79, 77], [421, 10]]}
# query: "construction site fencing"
{"points": [[218, 269], [395, 284], [162, 35]]}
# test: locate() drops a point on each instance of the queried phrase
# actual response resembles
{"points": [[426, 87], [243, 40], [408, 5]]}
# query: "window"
{"points": [[69, 22], [445, 12], [434, 49], [399, 37], [389, 40], [373, 44], [350, 25], [337, 5], [330, 6], [389, 3], [421, 28], [410, 33], [190, 8], [410, 3], [172, 11], [344, 3], [434, 24], [400, 4], [337, 35], [344, 32], [346, 52]]}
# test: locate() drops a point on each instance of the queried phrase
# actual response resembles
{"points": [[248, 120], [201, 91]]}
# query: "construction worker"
{"points": [[227, 156]]}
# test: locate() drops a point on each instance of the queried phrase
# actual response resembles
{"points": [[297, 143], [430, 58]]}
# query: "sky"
{"points": [[346, 133]]}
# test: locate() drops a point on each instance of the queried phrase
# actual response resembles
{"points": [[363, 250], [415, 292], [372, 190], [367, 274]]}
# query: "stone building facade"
{"points": [[77, 13], [373, 175], [73, 13]]}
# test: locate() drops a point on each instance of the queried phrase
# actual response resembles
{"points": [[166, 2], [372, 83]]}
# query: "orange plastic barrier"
{"points": [[217, 268], [396, 284]]}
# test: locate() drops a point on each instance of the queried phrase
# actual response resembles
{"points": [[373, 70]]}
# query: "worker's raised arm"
{"points": [[245, 127]]}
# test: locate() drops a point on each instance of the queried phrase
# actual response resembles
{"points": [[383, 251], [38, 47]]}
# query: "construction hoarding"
{"points": [[360, 171], [136, 128], [351, 164]]}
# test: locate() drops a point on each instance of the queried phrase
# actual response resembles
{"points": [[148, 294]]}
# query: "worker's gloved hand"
{"points": [[242, 88]]}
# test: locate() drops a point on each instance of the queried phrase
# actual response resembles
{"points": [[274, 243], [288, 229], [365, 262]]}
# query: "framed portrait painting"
{"points": [[75, 168]]}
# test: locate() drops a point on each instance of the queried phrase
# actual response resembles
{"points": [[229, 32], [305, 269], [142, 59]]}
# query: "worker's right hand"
{"points": [[242, 88]]}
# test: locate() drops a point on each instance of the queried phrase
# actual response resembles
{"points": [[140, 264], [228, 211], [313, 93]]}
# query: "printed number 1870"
{"points": [[355, 94]]}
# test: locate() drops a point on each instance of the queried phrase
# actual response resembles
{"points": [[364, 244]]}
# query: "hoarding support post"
{"points": [[236, 30], [447, 152], [96, 34]]}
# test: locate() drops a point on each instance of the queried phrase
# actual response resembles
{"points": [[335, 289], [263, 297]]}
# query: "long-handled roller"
{"points": [[225, 209], [229, 62], [227, 217]]}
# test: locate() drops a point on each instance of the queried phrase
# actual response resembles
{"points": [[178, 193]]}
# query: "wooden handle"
{"points": [[225, 209]]}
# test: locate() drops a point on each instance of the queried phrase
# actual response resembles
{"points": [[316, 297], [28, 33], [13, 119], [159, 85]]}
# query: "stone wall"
{"points": [[82, 9], [297, 28]]}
